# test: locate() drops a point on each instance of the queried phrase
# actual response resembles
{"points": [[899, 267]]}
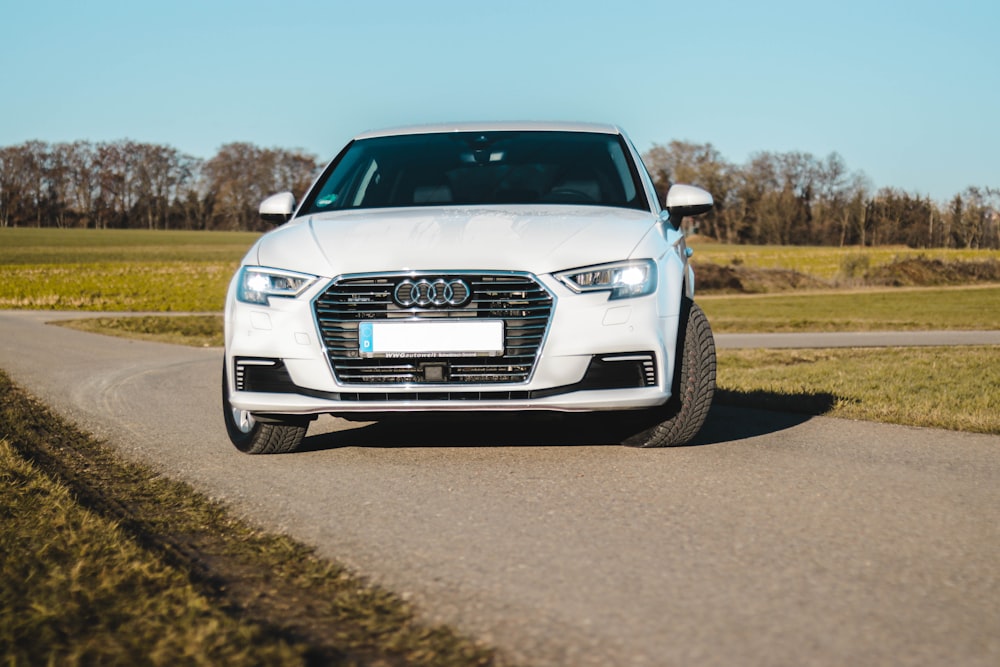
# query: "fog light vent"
{"points": [[621, 371], [267, 375]]}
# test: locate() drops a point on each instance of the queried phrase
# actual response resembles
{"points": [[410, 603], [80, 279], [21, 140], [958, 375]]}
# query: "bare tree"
{"points": [[241, 175], [9, 188], [81, 161], [701, 165]]}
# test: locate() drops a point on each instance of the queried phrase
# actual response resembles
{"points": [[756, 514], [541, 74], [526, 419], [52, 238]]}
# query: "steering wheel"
{"points": [[568, 194]]}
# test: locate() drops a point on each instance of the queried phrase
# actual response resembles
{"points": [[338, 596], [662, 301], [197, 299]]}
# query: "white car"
{"points": [[472, 267]]}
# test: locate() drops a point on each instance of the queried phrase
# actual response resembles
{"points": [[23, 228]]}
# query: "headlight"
{"points": [[257, 285], [622, 279]]}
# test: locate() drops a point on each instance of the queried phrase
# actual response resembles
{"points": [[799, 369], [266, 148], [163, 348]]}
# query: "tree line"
{"points": [[795, 198], [789, 198], [132, 185]]}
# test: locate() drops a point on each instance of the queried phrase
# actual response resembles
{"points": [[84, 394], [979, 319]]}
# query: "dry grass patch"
{"points": [[78, 590], [105, 562], [193, 330]]}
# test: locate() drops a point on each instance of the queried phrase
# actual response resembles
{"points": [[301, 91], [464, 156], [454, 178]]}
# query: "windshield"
{"points": [[477, 168]]}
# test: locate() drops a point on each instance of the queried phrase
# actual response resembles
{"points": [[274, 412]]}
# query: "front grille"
{"points": [[524, 306]]}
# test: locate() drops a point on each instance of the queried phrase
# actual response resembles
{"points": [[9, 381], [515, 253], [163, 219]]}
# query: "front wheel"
{"points": [[677, 422], [252, 436]]}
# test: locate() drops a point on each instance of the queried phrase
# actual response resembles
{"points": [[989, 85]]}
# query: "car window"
{"points": [[480, 168]]}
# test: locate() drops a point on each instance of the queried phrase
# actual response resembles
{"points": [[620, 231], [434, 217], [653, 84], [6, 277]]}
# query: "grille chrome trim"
{"points": [[519, 299]]}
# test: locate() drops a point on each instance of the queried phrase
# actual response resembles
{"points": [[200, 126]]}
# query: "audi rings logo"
{"points": [[437, 292]]}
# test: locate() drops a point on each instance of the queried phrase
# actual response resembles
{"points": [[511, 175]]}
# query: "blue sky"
{"points": [[907, 92]]}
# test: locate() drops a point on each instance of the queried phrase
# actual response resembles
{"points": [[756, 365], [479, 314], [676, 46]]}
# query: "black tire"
{"points": [[252, 436], [679, 421]]}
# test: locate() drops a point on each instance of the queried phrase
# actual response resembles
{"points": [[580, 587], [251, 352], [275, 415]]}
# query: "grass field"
{"points": [[125, 286], [177, 271], [118, 270], [20, 246]]}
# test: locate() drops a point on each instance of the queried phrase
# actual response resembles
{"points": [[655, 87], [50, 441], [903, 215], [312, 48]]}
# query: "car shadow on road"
{"points": [[738, 415], [734, 416], [461, 430]]}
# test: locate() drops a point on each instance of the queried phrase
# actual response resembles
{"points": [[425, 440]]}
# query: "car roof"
{"points": [[509, 126]]}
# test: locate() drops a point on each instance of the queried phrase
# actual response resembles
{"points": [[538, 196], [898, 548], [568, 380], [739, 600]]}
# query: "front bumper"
{"points": [[585, 329], [578, 401]]}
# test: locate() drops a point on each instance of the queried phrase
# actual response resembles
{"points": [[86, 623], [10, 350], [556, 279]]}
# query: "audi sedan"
{"points": [[475, 267]]}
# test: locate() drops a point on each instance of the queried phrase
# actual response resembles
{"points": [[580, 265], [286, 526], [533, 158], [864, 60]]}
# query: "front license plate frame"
{"points": [[433, 338]]}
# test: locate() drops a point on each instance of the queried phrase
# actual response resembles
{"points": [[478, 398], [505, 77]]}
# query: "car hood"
{"points": [[535, 239]]}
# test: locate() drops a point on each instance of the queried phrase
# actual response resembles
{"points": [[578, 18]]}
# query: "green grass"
{"points": [[118, 270], [105, 562], [972, 308], [954, 388], [86, 246], [127, 286]]}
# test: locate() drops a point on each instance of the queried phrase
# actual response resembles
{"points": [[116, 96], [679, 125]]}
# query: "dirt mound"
{"points": [[918, 271], [733, 279], [921, 271]]}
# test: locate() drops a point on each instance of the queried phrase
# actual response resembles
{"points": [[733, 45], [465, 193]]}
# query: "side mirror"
{"points": [[277, 209], [687, 200]]}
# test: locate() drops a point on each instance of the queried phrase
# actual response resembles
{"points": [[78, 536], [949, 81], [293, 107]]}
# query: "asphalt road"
{"points": [[779, 540]]}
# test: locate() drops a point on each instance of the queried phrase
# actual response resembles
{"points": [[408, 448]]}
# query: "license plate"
{"points": [[431, 339]]}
